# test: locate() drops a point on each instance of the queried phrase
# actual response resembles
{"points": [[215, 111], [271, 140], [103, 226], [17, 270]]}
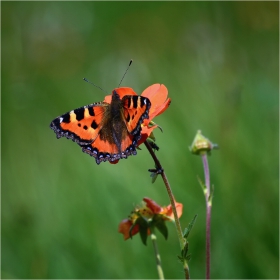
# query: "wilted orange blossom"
{"points": [[147, 212]]}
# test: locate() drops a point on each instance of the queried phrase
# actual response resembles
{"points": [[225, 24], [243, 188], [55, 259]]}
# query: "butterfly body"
{"points": [[106, 131]]}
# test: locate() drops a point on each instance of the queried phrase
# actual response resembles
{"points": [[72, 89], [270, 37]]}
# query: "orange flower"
{"points": [[166, 212], [157, 94], [146, 216]]}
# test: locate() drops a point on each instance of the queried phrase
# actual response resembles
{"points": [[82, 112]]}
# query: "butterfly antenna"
{"points": [[130, 62], [86, 80]]}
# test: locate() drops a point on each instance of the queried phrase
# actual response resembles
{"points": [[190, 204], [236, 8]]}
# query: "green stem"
{"points": [[157, 255], [173, 206], [208, 213], [186, 269], [170, 194]]}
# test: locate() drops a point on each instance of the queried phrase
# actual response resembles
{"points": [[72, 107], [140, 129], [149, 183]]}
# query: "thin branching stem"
{"points": [[157, 255], [181, 238], [186, 269], [208, 201], [170, 194]]}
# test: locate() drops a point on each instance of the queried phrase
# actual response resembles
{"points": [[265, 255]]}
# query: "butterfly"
{"points": [[106, 131]]}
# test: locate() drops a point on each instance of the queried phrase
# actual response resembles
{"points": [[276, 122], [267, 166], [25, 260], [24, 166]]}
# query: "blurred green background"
{"points": [[219, 61]]}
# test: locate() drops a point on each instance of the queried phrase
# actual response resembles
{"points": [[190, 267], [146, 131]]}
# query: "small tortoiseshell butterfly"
{"points": [[106, 131]]}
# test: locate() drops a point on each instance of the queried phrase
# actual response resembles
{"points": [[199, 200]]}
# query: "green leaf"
{"points": [[185, 250], [180, 258], [203, 186], [161, 226], [210, 198], [154, 174], [154, 177], [189, 228], [143, 230]]}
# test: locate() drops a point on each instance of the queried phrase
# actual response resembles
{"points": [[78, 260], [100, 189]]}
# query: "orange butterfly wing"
{"points": [[105, 131], [123, 139], [82, 125], [105, 151], [135, 111]]}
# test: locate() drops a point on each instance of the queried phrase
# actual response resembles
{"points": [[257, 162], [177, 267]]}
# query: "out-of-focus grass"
{"points": [[219, 61]]}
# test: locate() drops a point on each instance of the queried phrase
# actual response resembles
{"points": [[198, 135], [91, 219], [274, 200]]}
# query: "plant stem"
{"points": [[170, 194], [181, 238], [208, 201], [186, 269], [157, 255]]}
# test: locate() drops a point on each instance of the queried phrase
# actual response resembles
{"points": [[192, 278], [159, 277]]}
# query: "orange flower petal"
{"points": [[179, 208], [122, 91], [108, 99], [160, 109], [156, 209], [157, 94], [124, 228]]}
